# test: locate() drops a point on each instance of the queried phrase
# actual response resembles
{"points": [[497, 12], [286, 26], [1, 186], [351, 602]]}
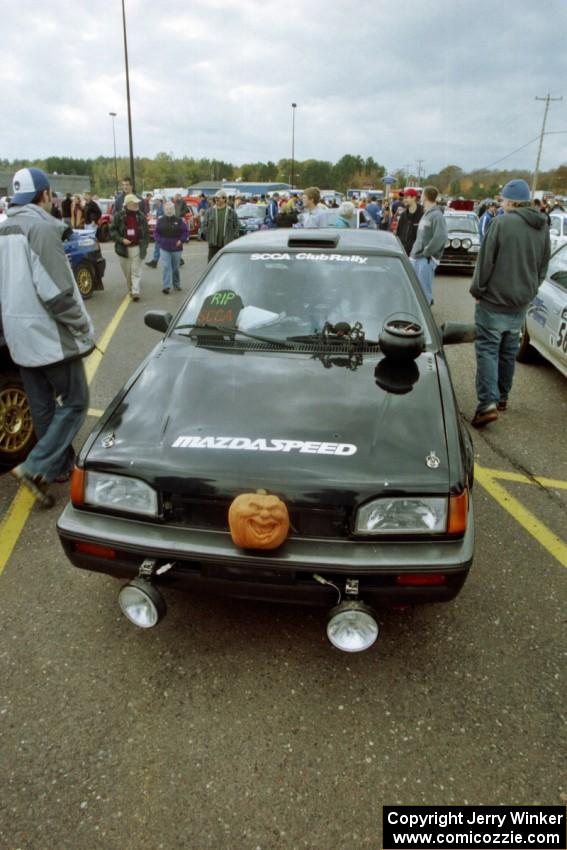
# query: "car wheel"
{"points": [[526, 352], [85, 277], [17, 437]]}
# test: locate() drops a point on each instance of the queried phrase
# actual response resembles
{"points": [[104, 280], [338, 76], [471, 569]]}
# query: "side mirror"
{"points": [[158, 320], [455, 332]]}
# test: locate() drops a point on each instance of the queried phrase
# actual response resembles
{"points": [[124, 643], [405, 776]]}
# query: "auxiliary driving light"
{"points": [[352, 627], [141, 603]]}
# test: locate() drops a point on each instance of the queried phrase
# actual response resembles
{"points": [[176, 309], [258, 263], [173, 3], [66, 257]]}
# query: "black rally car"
{"points": [[293, 436]]}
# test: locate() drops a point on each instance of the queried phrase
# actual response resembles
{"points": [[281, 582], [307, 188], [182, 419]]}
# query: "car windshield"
{"points": [[462, 223], [250, 211], [296, 293]]}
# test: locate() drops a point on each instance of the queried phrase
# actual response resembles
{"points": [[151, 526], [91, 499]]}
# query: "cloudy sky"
{"points": [[442, 81]]}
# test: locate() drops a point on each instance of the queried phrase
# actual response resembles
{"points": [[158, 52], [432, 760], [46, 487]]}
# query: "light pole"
{"points": [[132, 172], [294, 107], [113, 116]]}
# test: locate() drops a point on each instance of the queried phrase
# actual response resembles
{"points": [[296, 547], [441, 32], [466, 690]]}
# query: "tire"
{"points": [[526, 352], [17, 437], [85, 277]]}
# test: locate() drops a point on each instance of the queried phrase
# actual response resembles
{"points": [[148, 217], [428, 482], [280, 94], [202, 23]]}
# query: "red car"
{"points": [[191, 219], [106, 207]]}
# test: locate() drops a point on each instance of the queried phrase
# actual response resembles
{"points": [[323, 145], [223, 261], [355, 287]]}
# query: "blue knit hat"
{"points": [[27, 183], [516, 190]]}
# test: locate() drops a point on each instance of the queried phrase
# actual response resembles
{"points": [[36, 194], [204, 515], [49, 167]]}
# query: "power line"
{"points": [[486, 167]]}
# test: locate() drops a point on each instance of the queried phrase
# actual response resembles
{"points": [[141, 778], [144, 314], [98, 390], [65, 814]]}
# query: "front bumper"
{"points": [[458, 259], [209, 561]]}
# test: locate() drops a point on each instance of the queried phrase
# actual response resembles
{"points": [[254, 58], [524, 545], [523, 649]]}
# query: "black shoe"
{"points": [[182, 262], [502, 405], [36, 485], [483, 417], [152, 264], [166, 291]]}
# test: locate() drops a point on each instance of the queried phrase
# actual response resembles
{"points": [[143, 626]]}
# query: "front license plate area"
{"points": [[257, 575]]}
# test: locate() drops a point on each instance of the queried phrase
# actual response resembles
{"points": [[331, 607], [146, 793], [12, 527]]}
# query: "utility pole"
{"points": [[407, 175], [419, 163], [547, 99], [132, 171]]}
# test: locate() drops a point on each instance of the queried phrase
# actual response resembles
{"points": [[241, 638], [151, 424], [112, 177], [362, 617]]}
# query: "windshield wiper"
{"points": [[341, 332], [226, 331]]}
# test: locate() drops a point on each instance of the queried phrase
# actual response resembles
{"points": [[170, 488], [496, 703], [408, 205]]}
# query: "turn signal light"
{"points": [[78, 486], [458, 513], [95, 550], [421, 579]]}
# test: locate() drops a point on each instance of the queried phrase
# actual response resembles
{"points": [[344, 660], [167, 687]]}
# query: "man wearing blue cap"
{"points": [[47, 330], [511, 265]]}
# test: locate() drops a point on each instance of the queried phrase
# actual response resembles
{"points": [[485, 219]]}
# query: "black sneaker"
{"points": [[502, 405], [181, 262], [36, 485], [152, 264]]}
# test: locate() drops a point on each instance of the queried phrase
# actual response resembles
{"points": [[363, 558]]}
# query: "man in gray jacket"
{"points": [[511, 265], [221, 224], [47, 330], [430, 241]]}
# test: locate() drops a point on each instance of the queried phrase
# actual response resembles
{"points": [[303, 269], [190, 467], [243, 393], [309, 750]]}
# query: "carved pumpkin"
{"points": [[258, 521]]}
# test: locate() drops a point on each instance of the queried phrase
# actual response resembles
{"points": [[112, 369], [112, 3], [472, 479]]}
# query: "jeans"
{"points": [[58, 396], [425, 269], [170, 269], [157, 252], [213, 249], [496, 345], [132, 268]]}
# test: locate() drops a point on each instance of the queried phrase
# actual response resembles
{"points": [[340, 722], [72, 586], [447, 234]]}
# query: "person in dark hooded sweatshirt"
{"points": [[511, 265]]}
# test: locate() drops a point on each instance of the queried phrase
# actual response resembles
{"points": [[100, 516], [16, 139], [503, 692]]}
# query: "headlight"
{"points": [[120, 494], [467, 244], [455, 243], [413, 515]]}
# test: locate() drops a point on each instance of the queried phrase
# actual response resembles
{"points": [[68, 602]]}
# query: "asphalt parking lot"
{"points": [[236, 726]]}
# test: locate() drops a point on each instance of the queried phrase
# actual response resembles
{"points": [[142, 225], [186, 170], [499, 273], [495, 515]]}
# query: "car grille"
{"points": [[458, 257], [213, 515]]}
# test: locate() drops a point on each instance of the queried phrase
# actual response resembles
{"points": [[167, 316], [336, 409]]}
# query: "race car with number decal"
{"points": [[294, 436], [545, 329]]}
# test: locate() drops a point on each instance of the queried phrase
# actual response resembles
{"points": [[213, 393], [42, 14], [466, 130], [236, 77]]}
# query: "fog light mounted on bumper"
{"points": [[352, 626], [140, 601]]}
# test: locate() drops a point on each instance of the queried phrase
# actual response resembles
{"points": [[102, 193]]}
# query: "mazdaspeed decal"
{"points": [[245, 444]]}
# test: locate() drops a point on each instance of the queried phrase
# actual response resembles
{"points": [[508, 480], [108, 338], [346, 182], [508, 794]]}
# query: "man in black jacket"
{"points": [[409, 220], [511, 265]]}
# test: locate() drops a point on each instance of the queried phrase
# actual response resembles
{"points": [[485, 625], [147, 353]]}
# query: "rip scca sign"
{"points": [[245, 444]]}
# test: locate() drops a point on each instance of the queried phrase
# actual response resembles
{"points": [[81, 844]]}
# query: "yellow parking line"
{"points": [[13, 523], [552, 483], [550, 541], [95, 412], [93, 360]]}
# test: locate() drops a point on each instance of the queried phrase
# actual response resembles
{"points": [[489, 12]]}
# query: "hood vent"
{"points": [[310, 240], [289, 347]]}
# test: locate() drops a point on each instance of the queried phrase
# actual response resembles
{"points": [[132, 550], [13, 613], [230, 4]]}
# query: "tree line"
{"points": [[349, 172]]}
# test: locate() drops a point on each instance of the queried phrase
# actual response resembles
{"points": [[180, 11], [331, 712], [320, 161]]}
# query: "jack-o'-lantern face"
{"points": [[258, 521]]}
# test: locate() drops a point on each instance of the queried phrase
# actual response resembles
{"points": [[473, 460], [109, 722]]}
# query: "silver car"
{"points": [[463, 243], [546, 321]]}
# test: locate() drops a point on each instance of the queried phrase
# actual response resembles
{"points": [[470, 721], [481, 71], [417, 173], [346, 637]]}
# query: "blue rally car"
{"points": [[87, 262]]}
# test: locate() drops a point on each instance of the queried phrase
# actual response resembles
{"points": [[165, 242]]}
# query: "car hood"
{"points": [[220, 422]]}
